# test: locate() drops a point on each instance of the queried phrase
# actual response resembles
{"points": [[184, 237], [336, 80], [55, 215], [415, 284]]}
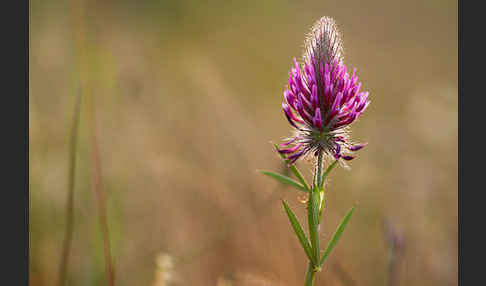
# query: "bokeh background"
{"points": [[180, 103]]}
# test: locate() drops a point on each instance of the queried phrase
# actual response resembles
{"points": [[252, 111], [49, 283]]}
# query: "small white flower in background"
{"points": [[165, 274]]}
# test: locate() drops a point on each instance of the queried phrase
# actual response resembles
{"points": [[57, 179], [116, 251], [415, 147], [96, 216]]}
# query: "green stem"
{"points": [[319, 170], [314, 209], [313, 222], [313, 212], [310, 276]]}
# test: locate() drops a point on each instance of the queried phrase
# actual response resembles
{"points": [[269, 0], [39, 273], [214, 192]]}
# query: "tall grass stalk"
{"points": [[77, 10], [97, 183], [98, 188], [68, 235]]}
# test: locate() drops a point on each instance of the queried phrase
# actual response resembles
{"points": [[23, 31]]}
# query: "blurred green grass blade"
{"points": [[337, 235], [68, 235], [294, 169], [298, 230], [284, 179]]}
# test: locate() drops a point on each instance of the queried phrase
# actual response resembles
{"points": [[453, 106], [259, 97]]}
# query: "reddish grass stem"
{"points": [[77, 11], [98, 189]]}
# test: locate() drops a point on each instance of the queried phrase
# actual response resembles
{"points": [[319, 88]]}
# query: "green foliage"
{"points": [[300, 233], [337, 235], [284, 179]]}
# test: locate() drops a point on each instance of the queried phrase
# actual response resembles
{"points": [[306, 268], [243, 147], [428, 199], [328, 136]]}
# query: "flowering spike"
{"points": [[324, 42], [322, 99]]}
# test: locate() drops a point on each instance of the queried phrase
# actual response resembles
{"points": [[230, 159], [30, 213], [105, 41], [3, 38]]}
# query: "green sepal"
{"points": [[284, 179], [337, 235], [300, 232]]}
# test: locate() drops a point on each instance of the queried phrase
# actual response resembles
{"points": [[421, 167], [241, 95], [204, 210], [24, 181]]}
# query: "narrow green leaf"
{"points": [[298, 230], [284, 179], [328, 170], [294, 169], [337, 235]]}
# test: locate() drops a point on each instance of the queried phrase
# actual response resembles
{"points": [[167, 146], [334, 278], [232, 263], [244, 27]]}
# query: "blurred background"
{"points": [[180, 105]]}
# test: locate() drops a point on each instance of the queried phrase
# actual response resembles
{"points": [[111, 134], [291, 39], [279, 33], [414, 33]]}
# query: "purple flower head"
{"points": [[322, 99]]}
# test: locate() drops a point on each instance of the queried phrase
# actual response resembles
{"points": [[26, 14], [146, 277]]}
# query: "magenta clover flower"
{"points": [[322, 99]]}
